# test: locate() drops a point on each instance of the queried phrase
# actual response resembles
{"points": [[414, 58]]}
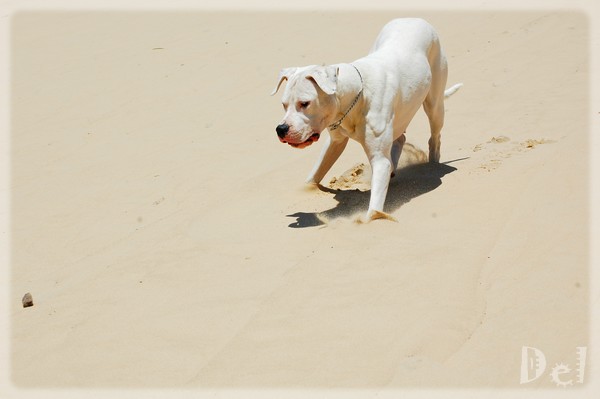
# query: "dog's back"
{"points": [[405, 35]]}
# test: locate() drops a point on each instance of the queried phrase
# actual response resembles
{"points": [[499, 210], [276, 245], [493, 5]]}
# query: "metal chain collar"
{"points": [[337, 124]]}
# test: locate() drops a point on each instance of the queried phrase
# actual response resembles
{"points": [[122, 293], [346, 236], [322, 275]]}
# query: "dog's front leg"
{"points": [[381, 166], [334, 146], [379, 152]]}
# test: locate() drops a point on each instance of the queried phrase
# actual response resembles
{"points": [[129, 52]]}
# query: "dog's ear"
{"points": [[325, 77], [284, 74]]}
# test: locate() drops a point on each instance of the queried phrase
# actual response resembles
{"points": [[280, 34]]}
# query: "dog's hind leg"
{"points": [[435, 113], [434, 102]]}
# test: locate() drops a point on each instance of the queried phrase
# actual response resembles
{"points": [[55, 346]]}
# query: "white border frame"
{"points": [[590, 7]]}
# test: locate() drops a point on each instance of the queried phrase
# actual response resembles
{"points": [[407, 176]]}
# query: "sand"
{"points": [[168, 241]]}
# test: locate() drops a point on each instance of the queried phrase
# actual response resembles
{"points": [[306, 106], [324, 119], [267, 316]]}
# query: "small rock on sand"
{"points": [[27, 300]]}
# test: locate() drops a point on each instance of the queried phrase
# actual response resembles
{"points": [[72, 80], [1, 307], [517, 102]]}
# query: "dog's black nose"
{"points": [[282, 130]]}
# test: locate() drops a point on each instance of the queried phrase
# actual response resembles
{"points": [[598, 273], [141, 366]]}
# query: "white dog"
{"points": [[371, 100]]}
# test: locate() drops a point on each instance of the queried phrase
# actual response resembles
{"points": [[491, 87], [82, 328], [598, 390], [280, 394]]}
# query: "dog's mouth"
{"points": [[312, 139]]}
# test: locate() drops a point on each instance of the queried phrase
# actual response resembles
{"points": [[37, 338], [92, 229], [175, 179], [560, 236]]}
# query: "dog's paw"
{"points": [[374, 215], [311, 186]]}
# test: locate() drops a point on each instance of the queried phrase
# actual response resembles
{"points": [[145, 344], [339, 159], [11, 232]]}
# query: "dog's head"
{"points": [[309, 102]]}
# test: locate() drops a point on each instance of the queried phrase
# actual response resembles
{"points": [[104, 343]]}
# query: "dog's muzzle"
{"points": [[282, 131]]}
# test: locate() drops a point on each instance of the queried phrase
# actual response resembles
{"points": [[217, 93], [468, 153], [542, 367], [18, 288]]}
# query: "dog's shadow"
{"points": [[408, 183]]}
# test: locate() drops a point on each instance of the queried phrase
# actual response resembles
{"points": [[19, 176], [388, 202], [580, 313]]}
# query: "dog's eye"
{"points": [[304, 104], [285, 106]]}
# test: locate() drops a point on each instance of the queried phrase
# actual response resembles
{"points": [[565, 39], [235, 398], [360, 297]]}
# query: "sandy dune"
{"points": [[168, 241]]}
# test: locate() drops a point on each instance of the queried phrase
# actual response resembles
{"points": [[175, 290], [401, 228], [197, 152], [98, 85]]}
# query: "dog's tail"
{"points": [[452, 90]]}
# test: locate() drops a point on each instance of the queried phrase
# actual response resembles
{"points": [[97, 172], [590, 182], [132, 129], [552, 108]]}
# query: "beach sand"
{"points": [[168, 241]]}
